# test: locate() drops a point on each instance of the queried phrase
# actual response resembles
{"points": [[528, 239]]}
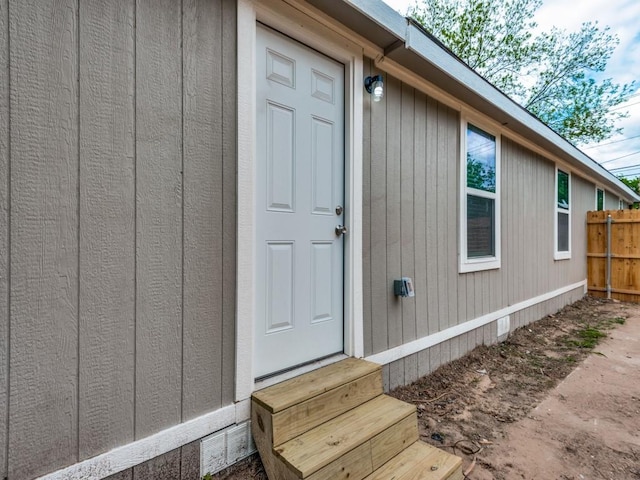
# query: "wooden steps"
{"points": [[420, 461], [336, 423]]}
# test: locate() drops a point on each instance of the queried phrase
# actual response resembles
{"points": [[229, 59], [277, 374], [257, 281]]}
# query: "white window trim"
{"points": [[557, 255], [465, 264], [621, 204], [311, 31], [604, 200]]}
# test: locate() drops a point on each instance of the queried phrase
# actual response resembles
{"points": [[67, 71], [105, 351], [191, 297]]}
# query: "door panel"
{"points": [[280, 158], [322, 144], [299, 184], [280, 291]]}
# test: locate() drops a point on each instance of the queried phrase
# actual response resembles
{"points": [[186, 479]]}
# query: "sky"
{"points": [[621, 153]]}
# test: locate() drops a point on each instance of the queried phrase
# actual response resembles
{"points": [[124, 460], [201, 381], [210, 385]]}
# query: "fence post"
{"points": [[609, 257]]}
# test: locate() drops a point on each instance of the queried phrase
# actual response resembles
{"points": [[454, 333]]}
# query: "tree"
{"points": [[632, 183], [552, 74]]}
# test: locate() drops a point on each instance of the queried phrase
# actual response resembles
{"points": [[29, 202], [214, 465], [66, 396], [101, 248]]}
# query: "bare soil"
{"points": [[559, 400]]}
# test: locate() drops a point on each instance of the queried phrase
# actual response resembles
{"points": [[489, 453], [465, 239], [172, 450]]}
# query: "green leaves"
{"points": [[632, 183], [553, 74]]}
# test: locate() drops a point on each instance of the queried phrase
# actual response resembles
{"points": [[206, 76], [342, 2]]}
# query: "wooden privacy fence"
{"points": [[613, 254]]}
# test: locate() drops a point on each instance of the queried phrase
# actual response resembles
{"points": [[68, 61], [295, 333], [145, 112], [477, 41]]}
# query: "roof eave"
{"points": [[410, 46]]}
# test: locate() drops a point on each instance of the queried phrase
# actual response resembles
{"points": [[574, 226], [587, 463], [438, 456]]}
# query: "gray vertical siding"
{"points": [[407, 202], [393, 196], [209, 209], [4, 230], [411, 157], [44, 225], [159, 203], [378, 296], [367, 208], [431, 221], [227, 84], [420, 226], [202, 216], [582, 194], [406, 217], [107, 226], [117, 223], [611, 201]]}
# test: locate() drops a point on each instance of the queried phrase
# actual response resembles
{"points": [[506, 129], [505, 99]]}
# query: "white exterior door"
{"points": [[299, 198]]}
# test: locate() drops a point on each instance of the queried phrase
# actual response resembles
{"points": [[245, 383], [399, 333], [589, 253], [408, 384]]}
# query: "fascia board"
{"points": [[383, 15], [417, 51]]}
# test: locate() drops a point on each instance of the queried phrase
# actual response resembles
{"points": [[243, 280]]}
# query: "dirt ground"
{"points": [[559, 400]]}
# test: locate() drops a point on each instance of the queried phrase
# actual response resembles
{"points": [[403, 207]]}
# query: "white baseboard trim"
{"points": [[140, 451], [393, 354], [134, 453]]}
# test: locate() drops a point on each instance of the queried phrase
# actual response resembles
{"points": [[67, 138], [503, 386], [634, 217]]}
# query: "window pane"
{"points": [[563, 190], [600, 199], [563, 232], [481, 159], [480, 227]]}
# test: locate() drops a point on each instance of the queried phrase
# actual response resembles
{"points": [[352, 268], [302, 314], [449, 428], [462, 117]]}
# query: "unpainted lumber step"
{"points": [[385, 424], [420, 461], [300, 418], [296, 390]]}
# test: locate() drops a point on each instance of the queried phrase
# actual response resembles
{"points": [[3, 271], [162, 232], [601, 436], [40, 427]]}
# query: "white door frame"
{"points": [[301, 26]]}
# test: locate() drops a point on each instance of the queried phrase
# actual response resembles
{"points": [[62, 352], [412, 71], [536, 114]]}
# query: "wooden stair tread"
{"points": [[322, 445], [417, 462], [304, 416], [291, 392]]}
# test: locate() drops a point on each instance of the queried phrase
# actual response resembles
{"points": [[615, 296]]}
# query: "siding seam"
{"points": [[135, 214], [183, 191], [8, 360], [402, 231], [78, 236], [223, 160], [386, 211]]}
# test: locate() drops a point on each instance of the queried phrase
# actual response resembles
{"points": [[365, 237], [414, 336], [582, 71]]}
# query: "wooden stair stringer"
{"points": [[262, 427]]}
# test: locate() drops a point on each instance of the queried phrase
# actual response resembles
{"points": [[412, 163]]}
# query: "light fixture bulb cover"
{"points": [[375, 86]]}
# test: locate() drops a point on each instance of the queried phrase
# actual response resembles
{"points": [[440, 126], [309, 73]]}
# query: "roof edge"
{"points": [[430, 50]]}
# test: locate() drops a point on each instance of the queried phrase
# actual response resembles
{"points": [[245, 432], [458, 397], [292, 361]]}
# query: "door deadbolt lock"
{"points": [[341, 230], [339, 210]]}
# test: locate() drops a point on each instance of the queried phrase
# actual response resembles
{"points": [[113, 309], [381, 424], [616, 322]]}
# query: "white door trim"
{"points": [[301, 26]]}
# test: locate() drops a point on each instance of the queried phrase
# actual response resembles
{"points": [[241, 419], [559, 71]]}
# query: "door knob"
{"points": [[341, 230]]}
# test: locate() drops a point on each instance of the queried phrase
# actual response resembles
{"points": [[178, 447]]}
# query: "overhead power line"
{"points": [[628, 174], [631, 96], [618, 158], [612, 142], [624, 168], [620, 107]]}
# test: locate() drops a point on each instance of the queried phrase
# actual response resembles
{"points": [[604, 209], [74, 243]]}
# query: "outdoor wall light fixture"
{"points": [[375, 86]]}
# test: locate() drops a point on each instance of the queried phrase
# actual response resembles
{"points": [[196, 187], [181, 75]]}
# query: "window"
{"points": [[563, 215], [599, 199], [620, 204], [480, 200]]}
